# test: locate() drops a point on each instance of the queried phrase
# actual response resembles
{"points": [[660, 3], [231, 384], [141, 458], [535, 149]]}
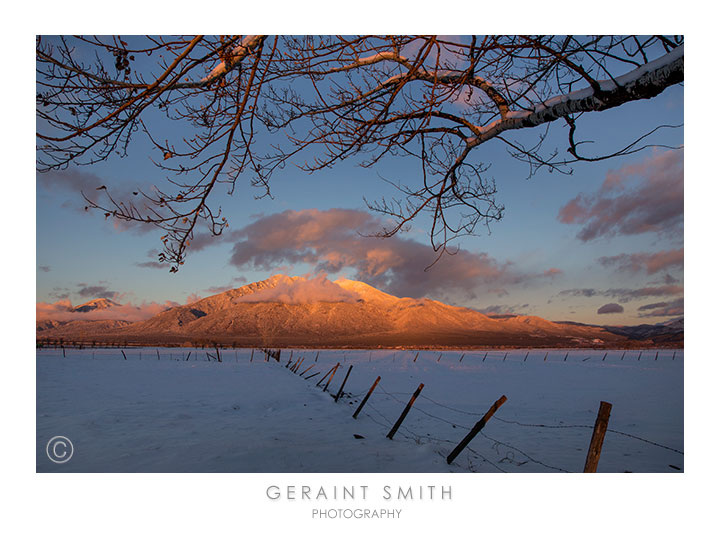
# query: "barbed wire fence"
{"points": [[506, 452]]}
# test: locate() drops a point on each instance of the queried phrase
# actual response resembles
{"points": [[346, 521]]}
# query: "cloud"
{"points": [[192, 298], [499, 309], [610, 308], [625, 294], [638, 198], [60, 311], [96, 292], [662, 309], [80, 183], [643, 261], [298, 290], [335, 239], [73, 181]]}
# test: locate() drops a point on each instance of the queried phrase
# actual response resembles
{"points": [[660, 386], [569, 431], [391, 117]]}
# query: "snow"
{"points": [[625, 80], [238, 53], [171, 415]]}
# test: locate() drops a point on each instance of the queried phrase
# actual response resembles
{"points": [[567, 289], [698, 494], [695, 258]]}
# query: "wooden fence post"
{"points": [[479, 425], [566, 356], [123, 353], [485, 356], [604, 357], [219, 357], [623, 353], [673, 355], [158, 353], [331, 377], [415, 357], [525, 356], [595, 446], [312, 375], [657, 356], [405, 412], [366, 398], [326, 375], [640, 355], [296, 366], [440, 357], [310, 367], [339, 393], [545, 356], [505, 356], [317, 356], [252, 354], [461, 357]]}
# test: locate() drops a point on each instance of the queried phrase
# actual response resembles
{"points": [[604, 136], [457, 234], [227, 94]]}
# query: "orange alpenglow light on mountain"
{"points": [[316, 312]]}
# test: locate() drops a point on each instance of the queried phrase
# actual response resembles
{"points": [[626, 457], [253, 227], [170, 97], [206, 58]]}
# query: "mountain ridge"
{"points": [[316, 312]]}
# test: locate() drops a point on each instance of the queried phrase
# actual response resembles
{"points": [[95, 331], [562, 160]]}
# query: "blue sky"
{"points": [[533, 261]]}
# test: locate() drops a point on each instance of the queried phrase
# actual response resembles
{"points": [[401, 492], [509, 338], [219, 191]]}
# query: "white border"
{"points": [[208, 503]]}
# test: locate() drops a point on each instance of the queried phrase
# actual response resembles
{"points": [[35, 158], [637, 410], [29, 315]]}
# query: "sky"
{"points": [[604, 245]]}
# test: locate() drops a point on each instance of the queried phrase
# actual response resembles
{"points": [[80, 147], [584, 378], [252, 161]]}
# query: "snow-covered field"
{"points": [[176, 415]]}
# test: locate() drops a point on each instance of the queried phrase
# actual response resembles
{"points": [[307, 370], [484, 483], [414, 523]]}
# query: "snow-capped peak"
{"points": [[94, 304]]}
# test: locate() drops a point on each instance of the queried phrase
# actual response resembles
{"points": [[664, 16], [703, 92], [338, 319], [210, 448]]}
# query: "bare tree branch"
{"points": [[249, 105]]}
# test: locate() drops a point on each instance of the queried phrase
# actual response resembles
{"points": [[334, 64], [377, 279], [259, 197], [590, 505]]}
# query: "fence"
{"points": [[366, 407], [392, 424]]}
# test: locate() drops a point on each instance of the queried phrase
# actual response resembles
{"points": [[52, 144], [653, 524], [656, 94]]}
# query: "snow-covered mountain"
{"points": [[82, 327], [672, 330], [295, 311], [95, 304]]}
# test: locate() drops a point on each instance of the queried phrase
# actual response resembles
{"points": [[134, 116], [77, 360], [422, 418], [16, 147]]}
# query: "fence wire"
{"points": [[509, 454]]}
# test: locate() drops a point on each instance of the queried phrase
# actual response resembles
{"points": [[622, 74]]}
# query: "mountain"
{"points": [[95, 304], [668, 331], [81, 327], [294, 311]]}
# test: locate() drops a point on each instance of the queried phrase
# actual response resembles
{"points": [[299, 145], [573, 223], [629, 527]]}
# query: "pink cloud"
{"points": [[637, 198], [60, 311], [192, 298], [642, 261], [297, 290], [335, 239], [610, 308]]}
